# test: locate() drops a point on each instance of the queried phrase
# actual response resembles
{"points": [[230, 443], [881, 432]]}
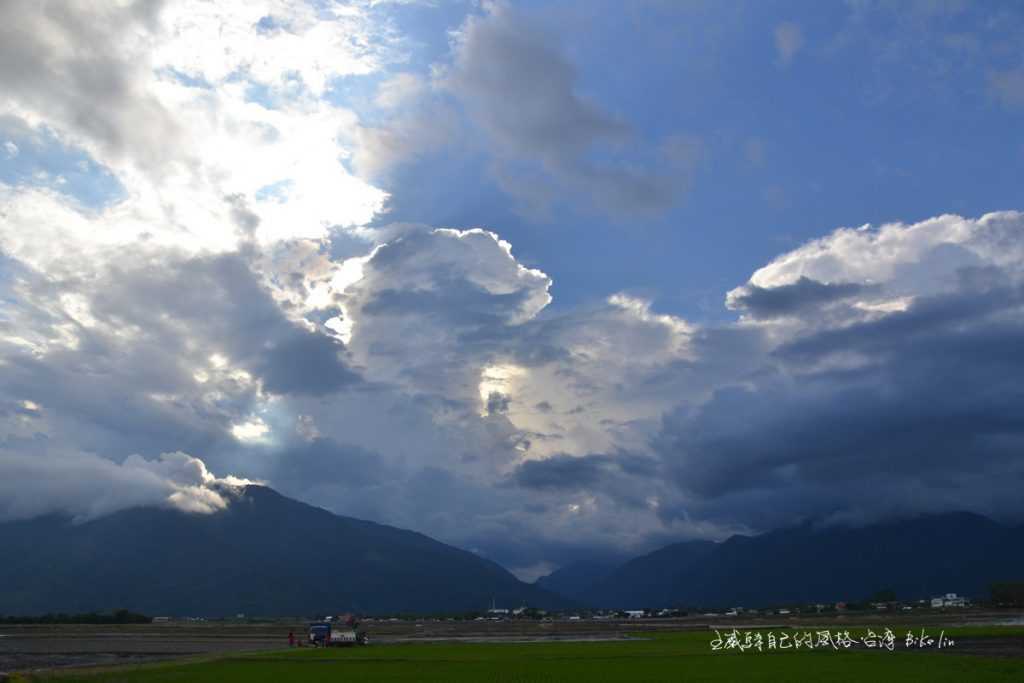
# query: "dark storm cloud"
{"points": [[222, 302], [128, 382], [305, 363], [107, 399], [930, 417], [772, 302], [458, 301], [564, 472], [620, 477], [326, 461], [927, 317]]}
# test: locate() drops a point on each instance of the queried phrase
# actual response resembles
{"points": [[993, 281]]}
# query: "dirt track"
{"points": [[64, 646]]}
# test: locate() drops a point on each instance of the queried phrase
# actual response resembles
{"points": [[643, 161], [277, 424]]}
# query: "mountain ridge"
{"points": [[265, 554], [915, 557]]}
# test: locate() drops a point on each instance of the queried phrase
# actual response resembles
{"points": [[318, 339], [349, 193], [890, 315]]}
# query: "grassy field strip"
{"points": [[661, 656]]}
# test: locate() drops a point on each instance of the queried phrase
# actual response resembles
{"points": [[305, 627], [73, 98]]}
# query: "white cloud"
{"points": [[11, 149], [253, 430], [464, 375], [270, 43], [88, 486], [211, 166], [409, 380], [420, 295], [919, 258]]}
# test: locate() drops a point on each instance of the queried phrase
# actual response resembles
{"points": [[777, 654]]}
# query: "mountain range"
{"points": [[264, 554], [913, 558], [268, 555]]}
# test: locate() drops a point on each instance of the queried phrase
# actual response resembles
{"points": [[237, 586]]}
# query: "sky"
{"points": [[544, 280]]}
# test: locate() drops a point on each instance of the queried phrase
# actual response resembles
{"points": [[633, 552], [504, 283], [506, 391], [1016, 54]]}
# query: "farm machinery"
{"points": [[337, 632]]}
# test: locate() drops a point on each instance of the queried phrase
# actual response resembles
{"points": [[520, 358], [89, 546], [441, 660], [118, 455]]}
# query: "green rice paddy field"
{"points": [[662, 657]]}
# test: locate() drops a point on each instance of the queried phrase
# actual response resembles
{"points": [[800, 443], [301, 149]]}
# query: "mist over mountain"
{"points": [[264, 554]]}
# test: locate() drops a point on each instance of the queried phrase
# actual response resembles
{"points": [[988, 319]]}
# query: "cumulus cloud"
{"points": [[158, 351], [432, 308], [141, 90], [770, 302], [421, 378], [903, 402], [79, 69], [886, 355], [88, 486]]}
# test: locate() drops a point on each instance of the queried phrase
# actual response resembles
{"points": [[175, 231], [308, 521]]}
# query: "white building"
{"points": [[950, 600]]}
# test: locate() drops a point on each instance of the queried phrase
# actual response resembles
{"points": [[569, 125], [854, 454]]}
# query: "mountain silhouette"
{"points": [[264, 554]]}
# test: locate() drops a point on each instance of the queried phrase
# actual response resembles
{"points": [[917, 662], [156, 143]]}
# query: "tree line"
{"points": [[120, 616]]}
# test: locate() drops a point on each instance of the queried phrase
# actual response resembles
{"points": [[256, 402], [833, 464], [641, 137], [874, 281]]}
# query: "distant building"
{"points": [[950, 600], [161, 620], [634, 613], [496, 611]]}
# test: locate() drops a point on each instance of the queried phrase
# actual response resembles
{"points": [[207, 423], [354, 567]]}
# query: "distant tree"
{"points": [[1008, 594], [887, 595], [121, 616]]}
